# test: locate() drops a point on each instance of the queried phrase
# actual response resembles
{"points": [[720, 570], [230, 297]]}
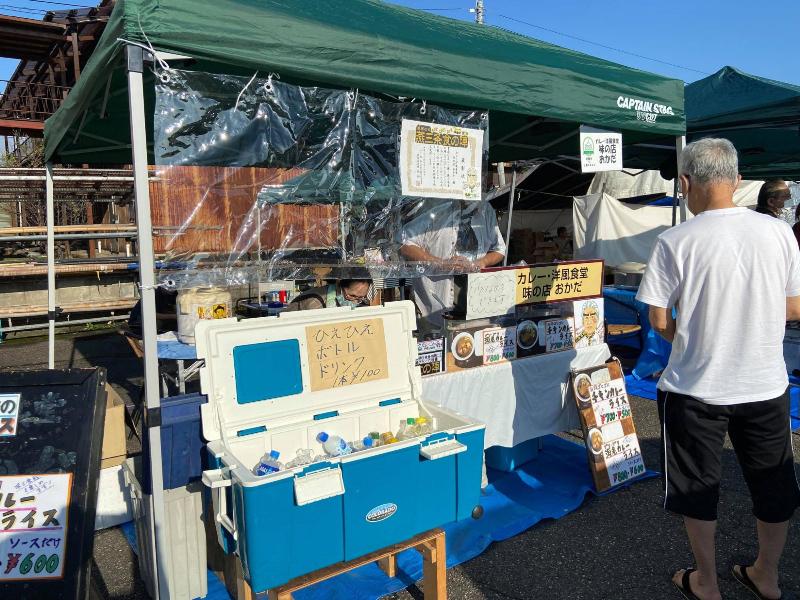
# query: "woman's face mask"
{"points": [[342, 301]]}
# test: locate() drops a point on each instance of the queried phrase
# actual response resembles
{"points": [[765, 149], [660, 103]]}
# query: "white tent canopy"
{"points": [[618, 232], [629, 184]]}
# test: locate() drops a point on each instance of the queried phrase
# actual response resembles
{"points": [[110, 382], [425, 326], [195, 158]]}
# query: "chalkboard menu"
{"points": [[49, 469], [607, 422]]}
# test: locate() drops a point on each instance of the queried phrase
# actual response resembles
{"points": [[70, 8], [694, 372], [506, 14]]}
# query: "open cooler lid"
{"points": [[273, 371]]}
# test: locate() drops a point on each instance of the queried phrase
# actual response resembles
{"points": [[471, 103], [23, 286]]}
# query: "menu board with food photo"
{"points": [[607, 422]]}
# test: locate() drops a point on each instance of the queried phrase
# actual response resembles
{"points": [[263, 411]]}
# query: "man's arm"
{"points": [[416, 253], [661, 320], [793, 308], [489, 259]]}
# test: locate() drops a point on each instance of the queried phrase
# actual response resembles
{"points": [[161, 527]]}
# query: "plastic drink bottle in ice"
{"points": [[304, 457], [364, 444], [269, 464], [333, 444], [423, 426], [406, 430]]}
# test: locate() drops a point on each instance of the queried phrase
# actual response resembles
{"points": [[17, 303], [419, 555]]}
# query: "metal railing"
{"points": [[30, 101]]}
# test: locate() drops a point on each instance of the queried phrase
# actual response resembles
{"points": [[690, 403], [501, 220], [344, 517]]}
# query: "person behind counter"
{"points": [[772, 197], [462, 237], [346, 292]]}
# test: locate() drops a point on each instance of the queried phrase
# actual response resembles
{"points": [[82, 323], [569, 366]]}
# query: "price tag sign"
{"points": [[558, 334], [347, 353], [499, 344], [600, 150], [33, 525]]}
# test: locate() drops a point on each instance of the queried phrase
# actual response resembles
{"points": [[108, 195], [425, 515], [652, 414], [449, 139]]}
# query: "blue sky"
{"points": [[698, 35]]}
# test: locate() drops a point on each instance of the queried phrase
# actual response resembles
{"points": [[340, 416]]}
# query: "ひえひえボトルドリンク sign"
{"points": [[346, 353]]}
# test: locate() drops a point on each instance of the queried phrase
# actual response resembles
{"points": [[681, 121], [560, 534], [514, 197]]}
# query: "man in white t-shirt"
{"points": [[733, 276]]}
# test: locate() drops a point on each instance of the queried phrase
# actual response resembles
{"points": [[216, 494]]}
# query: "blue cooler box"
{"points": [[266, 384]]}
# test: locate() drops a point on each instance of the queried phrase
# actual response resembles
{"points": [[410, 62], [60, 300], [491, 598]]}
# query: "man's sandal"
{"points": [[685, 587], [742, 577]]}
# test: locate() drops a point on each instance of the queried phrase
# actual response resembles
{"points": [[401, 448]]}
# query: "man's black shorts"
{"points": [[692, 435]]}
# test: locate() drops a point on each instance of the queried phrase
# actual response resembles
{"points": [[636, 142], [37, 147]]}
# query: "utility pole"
{"points": [[479, 11]]}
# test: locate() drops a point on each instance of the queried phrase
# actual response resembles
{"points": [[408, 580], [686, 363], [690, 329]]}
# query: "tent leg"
{"points": [[51, 268], [135, 67], [510, 213], [680, 144]]}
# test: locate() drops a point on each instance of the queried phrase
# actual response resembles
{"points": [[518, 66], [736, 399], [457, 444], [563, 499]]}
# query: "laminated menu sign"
{"points": [[33, 525], [9, 411], [607, 422], [346, 353], [440, 161], [558, 334], [430, 356], [499, 344], [600, 150]]}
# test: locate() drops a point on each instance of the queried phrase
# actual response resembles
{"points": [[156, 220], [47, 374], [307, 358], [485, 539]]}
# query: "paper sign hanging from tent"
{"points": [[346, 353], [441, 161], [600, 150], [33, 528]]}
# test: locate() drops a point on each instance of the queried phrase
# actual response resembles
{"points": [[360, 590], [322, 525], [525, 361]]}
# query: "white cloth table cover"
{"points": [[519, 400]]}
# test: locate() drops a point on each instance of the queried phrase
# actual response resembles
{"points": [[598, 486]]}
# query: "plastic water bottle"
{"points": [[406, 430], [269, 464], [364, 444], [333, 444], [423, 426], [304, 457]]}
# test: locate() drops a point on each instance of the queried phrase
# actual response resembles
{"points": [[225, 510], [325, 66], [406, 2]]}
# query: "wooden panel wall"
{"points": [[212, 209]]}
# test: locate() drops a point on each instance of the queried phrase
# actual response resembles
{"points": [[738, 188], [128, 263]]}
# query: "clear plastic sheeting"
{"points": [[257, 180]]}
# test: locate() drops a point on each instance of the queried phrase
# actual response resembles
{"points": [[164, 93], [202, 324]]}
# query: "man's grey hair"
{"points": [[710, 160]]}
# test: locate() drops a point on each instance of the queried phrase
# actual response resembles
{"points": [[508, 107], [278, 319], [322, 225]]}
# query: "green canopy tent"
{"points": [[537, 95], [760, 116]]}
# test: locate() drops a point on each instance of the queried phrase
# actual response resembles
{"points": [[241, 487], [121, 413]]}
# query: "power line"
{"points": [[54, 2], [443, 9], [22, 9], [663, 62]]}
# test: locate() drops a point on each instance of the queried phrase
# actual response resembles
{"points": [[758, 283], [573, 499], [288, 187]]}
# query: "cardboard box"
{"points": [[114, 446]]}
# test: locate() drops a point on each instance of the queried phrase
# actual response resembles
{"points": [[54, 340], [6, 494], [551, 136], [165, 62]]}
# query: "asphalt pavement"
{"points": [[620, 546]]}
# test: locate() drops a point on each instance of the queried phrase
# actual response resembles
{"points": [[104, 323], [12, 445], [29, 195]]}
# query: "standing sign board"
{"points": [[48, 481], [600, 150], [607, 422], [441, 161]]}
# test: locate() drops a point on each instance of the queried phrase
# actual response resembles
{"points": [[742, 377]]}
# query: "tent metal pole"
{"points": [[51, 267], [510, 211], [135, 67], [680, 144]]}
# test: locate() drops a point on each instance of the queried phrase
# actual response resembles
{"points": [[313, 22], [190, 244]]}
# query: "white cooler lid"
{"points": [[274, 371]]}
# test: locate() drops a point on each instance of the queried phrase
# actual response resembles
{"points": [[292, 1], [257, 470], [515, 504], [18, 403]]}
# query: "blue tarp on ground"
{"points": [[549, 487]]}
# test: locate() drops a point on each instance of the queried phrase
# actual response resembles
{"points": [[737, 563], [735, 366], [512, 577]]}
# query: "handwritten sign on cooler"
{"points": [[346, 353], [33, 525]]}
